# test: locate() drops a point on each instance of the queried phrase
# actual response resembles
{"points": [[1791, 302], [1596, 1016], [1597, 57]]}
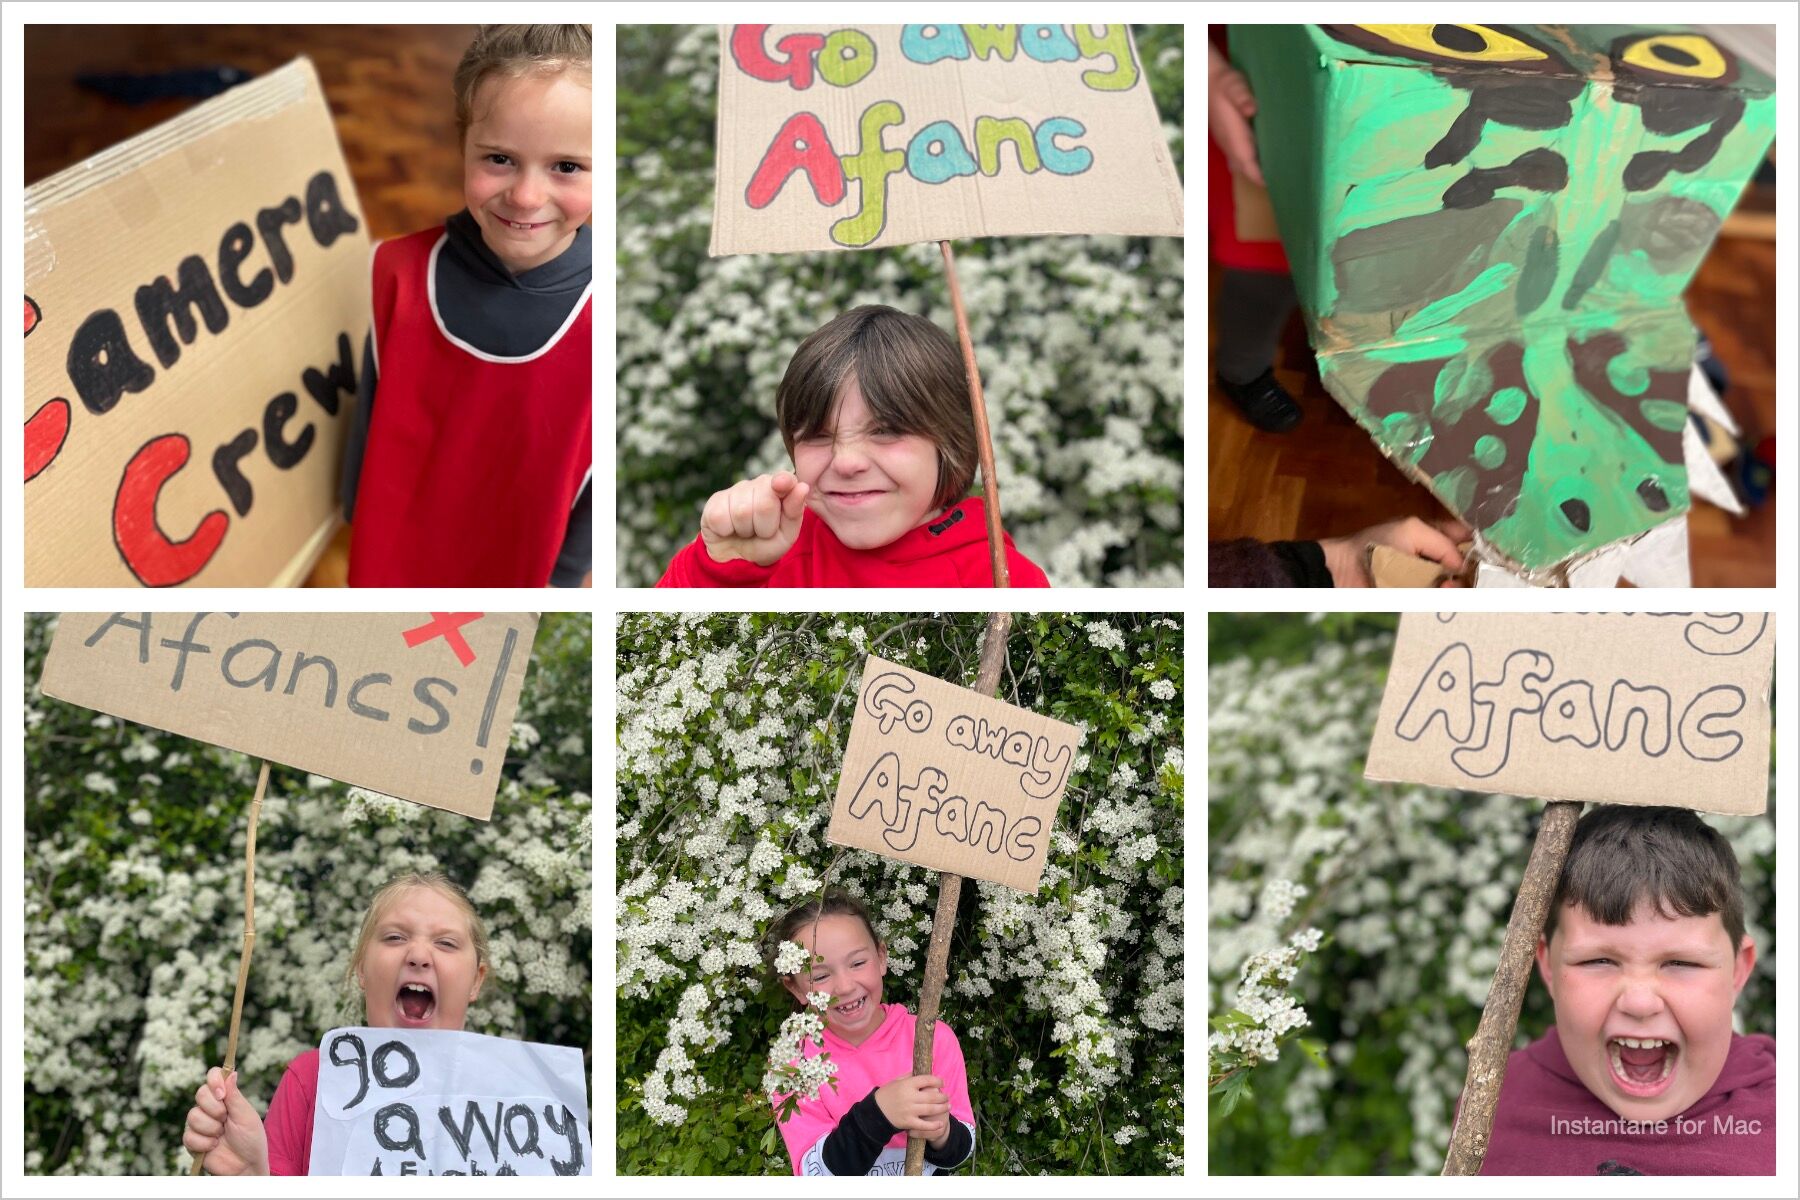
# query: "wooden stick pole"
{"points": [[937, 957], [1500, 1015], [984, 441], [243, 979]]}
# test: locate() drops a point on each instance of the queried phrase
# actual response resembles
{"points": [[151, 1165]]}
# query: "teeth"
{"points": [[1618, 1063], [1641, 1043]]}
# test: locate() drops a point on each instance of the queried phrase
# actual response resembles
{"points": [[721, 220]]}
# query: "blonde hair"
{"points": [[384, 899], [510, 51]]}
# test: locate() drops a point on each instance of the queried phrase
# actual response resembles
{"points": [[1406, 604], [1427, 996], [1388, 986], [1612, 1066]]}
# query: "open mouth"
{"points": [[1642, 1067], [852, 1010], [417, 1004]]}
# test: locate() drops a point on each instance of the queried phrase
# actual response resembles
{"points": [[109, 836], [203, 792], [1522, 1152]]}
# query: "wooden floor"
{"points": [[1325, 477], [388, 87]]}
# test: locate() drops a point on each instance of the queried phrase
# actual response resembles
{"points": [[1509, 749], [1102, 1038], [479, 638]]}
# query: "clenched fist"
{"points": [[225, 1128], [754, 519]]}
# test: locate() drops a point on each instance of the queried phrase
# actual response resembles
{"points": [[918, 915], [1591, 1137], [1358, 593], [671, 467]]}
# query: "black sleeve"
{"points": [[577, 556], [1305, 562], [957, 1148], [853, 1147], [1246, 562], [358, 439]]}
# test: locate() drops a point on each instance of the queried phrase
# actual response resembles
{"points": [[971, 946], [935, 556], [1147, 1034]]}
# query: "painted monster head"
{"points": [[1490, 229]]}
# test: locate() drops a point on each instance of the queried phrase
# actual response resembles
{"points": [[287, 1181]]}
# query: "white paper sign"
{"points": [[443, 1102]]}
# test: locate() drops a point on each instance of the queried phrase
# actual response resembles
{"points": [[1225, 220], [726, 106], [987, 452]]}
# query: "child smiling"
{"points": [[1644, 955], [470, 459], [859, 1123], [874, 411]]}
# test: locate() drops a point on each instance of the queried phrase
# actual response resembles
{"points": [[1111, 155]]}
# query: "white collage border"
{"points": [[1194, 599]]}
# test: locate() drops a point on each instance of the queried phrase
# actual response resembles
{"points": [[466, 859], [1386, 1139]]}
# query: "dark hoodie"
{"points": [[499, 313], [1728, 1131], [951, 551]]}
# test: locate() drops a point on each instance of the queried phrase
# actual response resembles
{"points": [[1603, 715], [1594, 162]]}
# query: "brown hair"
{"points": [[1625, 855], [435, 881], [911, 374], [513, 50], [833, 902]]}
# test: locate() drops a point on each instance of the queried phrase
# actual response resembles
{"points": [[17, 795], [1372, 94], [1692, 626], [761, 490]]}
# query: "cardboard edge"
{"points": [[1548, 798]]}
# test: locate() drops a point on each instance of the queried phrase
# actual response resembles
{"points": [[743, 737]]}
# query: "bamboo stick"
{"points": [[243, 979]]}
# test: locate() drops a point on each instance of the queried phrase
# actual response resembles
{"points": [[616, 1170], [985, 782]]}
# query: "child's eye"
{"points": [[1681, 963], [447, 943], [568, 168], [1594, 962], [499, 160]]}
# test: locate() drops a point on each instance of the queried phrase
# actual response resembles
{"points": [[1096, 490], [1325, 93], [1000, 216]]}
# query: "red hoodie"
{"points": [[951, 551], [1728, 1131]]}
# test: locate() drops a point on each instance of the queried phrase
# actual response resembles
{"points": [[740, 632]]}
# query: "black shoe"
{"points": [[1264, 403]]}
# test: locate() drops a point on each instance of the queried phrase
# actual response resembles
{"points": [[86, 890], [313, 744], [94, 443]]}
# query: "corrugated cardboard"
{"points": [[199, 445], [1618, 708], [1490, 228], [416, 705], [918, 133], [943, 777]]}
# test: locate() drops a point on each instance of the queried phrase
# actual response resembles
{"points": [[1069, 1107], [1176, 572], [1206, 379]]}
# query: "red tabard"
{"points": [[473, 462]]}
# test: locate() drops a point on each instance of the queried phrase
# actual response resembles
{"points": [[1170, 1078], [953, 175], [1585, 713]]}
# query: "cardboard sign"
{"points": [[1490, 229], [939, 776], [196, 301], [416, 705], [444, 1102], [1618, 708], [846, 138]]}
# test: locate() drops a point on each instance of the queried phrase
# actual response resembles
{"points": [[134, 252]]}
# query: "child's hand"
{"points": [[754, 519], [1229, 107], [916, 1104], [223, 1127]]}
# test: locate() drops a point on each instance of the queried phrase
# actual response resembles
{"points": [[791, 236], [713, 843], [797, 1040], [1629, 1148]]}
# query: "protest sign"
{"points": [[195, 302], [444, 1102], [833, 137], [416, 705], [947, 778], [1619, 708]]}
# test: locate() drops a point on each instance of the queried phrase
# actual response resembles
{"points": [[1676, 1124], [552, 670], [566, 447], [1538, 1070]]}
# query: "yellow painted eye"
{"points": [[1467, 43], [1685, 54]]}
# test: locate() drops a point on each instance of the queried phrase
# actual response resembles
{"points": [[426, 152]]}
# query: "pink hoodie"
{"points": [[1728, 1131], [884, 1056]]}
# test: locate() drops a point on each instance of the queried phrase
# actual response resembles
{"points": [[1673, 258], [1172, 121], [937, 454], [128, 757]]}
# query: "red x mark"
{"points": [[449, 627]]}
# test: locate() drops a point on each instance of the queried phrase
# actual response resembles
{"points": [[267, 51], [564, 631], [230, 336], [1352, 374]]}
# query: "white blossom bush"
{"points": [[1079, 342], [134, 907], [1412, 887], [1067, 1003]]}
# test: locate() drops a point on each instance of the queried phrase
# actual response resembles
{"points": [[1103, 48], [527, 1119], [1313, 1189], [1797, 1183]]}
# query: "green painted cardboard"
{"points": [[1490, 228]]}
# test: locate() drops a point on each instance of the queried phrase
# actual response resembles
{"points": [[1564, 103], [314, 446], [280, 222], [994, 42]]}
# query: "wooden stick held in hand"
{"points": [[937, 958], [984, 441], [243, 979], [1500, 1015]]}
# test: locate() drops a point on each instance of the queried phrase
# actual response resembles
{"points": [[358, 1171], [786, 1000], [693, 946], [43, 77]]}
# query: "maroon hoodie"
{"points": [[1728, 1131]]}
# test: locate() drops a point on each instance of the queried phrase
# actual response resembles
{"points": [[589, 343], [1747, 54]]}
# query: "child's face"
{"points": [[419, 970], [528, 165], [869, 484], [849, 965], [1672, 980]]}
